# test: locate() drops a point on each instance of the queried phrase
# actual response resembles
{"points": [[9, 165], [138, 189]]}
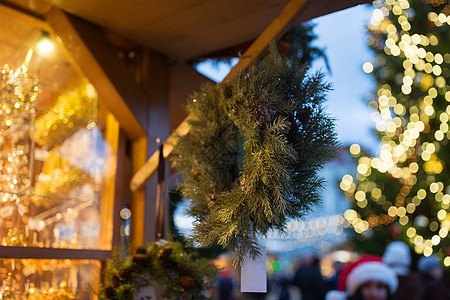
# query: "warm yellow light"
{"points": [[411, 232], [436, 240], [426, 155], [392, 211], [432, 92], [406, 89], [414, 167], [350, 215], [347, 179], [395, 50], [434, 187], [439, 135], [446, 199], [430, 147], [45, 45], [429, 110], [376, 193], [418, 240], [410, 208], [447, 261], [437, 70], [360, 195], [433, 40], [368, 67], [362, 169], [403, 220], [443, 232], [362, 203], [442, 18], [441, 214], [438, 58], [427, 251], [432, 16], [355, 149], [421, 194]]}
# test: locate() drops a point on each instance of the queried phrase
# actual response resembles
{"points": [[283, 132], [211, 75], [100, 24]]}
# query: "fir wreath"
{"points": [[174, 273], [251, 158]]}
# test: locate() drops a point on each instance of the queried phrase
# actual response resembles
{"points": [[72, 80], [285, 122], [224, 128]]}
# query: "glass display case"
{"points": [[57, 167], [48, 278]]}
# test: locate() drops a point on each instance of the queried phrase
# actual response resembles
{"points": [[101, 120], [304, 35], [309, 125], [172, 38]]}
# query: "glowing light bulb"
{"points": [[45, 45]]}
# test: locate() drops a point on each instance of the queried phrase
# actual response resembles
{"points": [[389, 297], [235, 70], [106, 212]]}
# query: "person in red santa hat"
{"points": [[368, 278]]}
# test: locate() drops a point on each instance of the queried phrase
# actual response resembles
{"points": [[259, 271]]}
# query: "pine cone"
{"points": [[110, 292], [141, 250], [243, 183], [115, 281], [264, 114], [125, 273], [304, 115], [141, 259], [228, 91], [194, 171], [181, 270], [187, 282], [164, 256], [210, 201], [151, 248]]}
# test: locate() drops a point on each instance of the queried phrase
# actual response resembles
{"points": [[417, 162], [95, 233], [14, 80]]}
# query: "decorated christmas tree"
{"points": [[403, 191]]}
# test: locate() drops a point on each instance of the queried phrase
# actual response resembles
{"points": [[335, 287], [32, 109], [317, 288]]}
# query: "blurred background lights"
{"points": [[355, 149], [45, 45], [368, 67], [125, 213]]}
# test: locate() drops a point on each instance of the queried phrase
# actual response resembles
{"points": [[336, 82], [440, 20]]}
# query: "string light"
{"points": [[404, 153]]}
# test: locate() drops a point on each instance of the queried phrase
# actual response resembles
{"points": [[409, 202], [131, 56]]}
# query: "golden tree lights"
{"points": [[407, 182]]}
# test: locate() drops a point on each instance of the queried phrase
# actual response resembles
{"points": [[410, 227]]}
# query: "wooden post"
{"points": [[111, 188], [155, 81], [138, 199]]}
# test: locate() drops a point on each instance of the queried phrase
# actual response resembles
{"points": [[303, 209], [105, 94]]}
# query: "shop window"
{"points": [[57, 167]]}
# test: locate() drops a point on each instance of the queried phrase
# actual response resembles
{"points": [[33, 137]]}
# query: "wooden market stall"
{"points": [[113, 85]]}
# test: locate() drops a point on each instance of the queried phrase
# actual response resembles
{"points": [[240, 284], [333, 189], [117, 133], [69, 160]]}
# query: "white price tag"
{"points": [[254, 274]]}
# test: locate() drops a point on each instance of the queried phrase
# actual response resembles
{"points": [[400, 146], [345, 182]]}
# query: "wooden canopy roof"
{"points": [[185, 29]]}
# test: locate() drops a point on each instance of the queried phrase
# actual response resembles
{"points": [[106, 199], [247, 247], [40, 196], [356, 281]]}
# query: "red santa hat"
{"points": [[366, 268]]}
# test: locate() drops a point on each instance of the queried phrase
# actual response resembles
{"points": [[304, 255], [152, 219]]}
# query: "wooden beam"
{"points": [[34, 21], [147, 170], [97, 59], [275, 29], [17, 252]]}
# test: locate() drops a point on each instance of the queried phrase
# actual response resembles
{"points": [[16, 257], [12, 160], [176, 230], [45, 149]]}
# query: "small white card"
{"points": [[254, 274], [146, 293]]}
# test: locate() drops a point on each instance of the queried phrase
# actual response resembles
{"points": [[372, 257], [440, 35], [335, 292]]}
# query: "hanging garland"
{"points": [[251, 158], [173, 272]]}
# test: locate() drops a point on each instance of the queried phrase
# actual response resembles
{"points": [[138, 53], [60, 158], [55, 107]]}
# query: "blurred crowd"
{"points": [[368, 277]]}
